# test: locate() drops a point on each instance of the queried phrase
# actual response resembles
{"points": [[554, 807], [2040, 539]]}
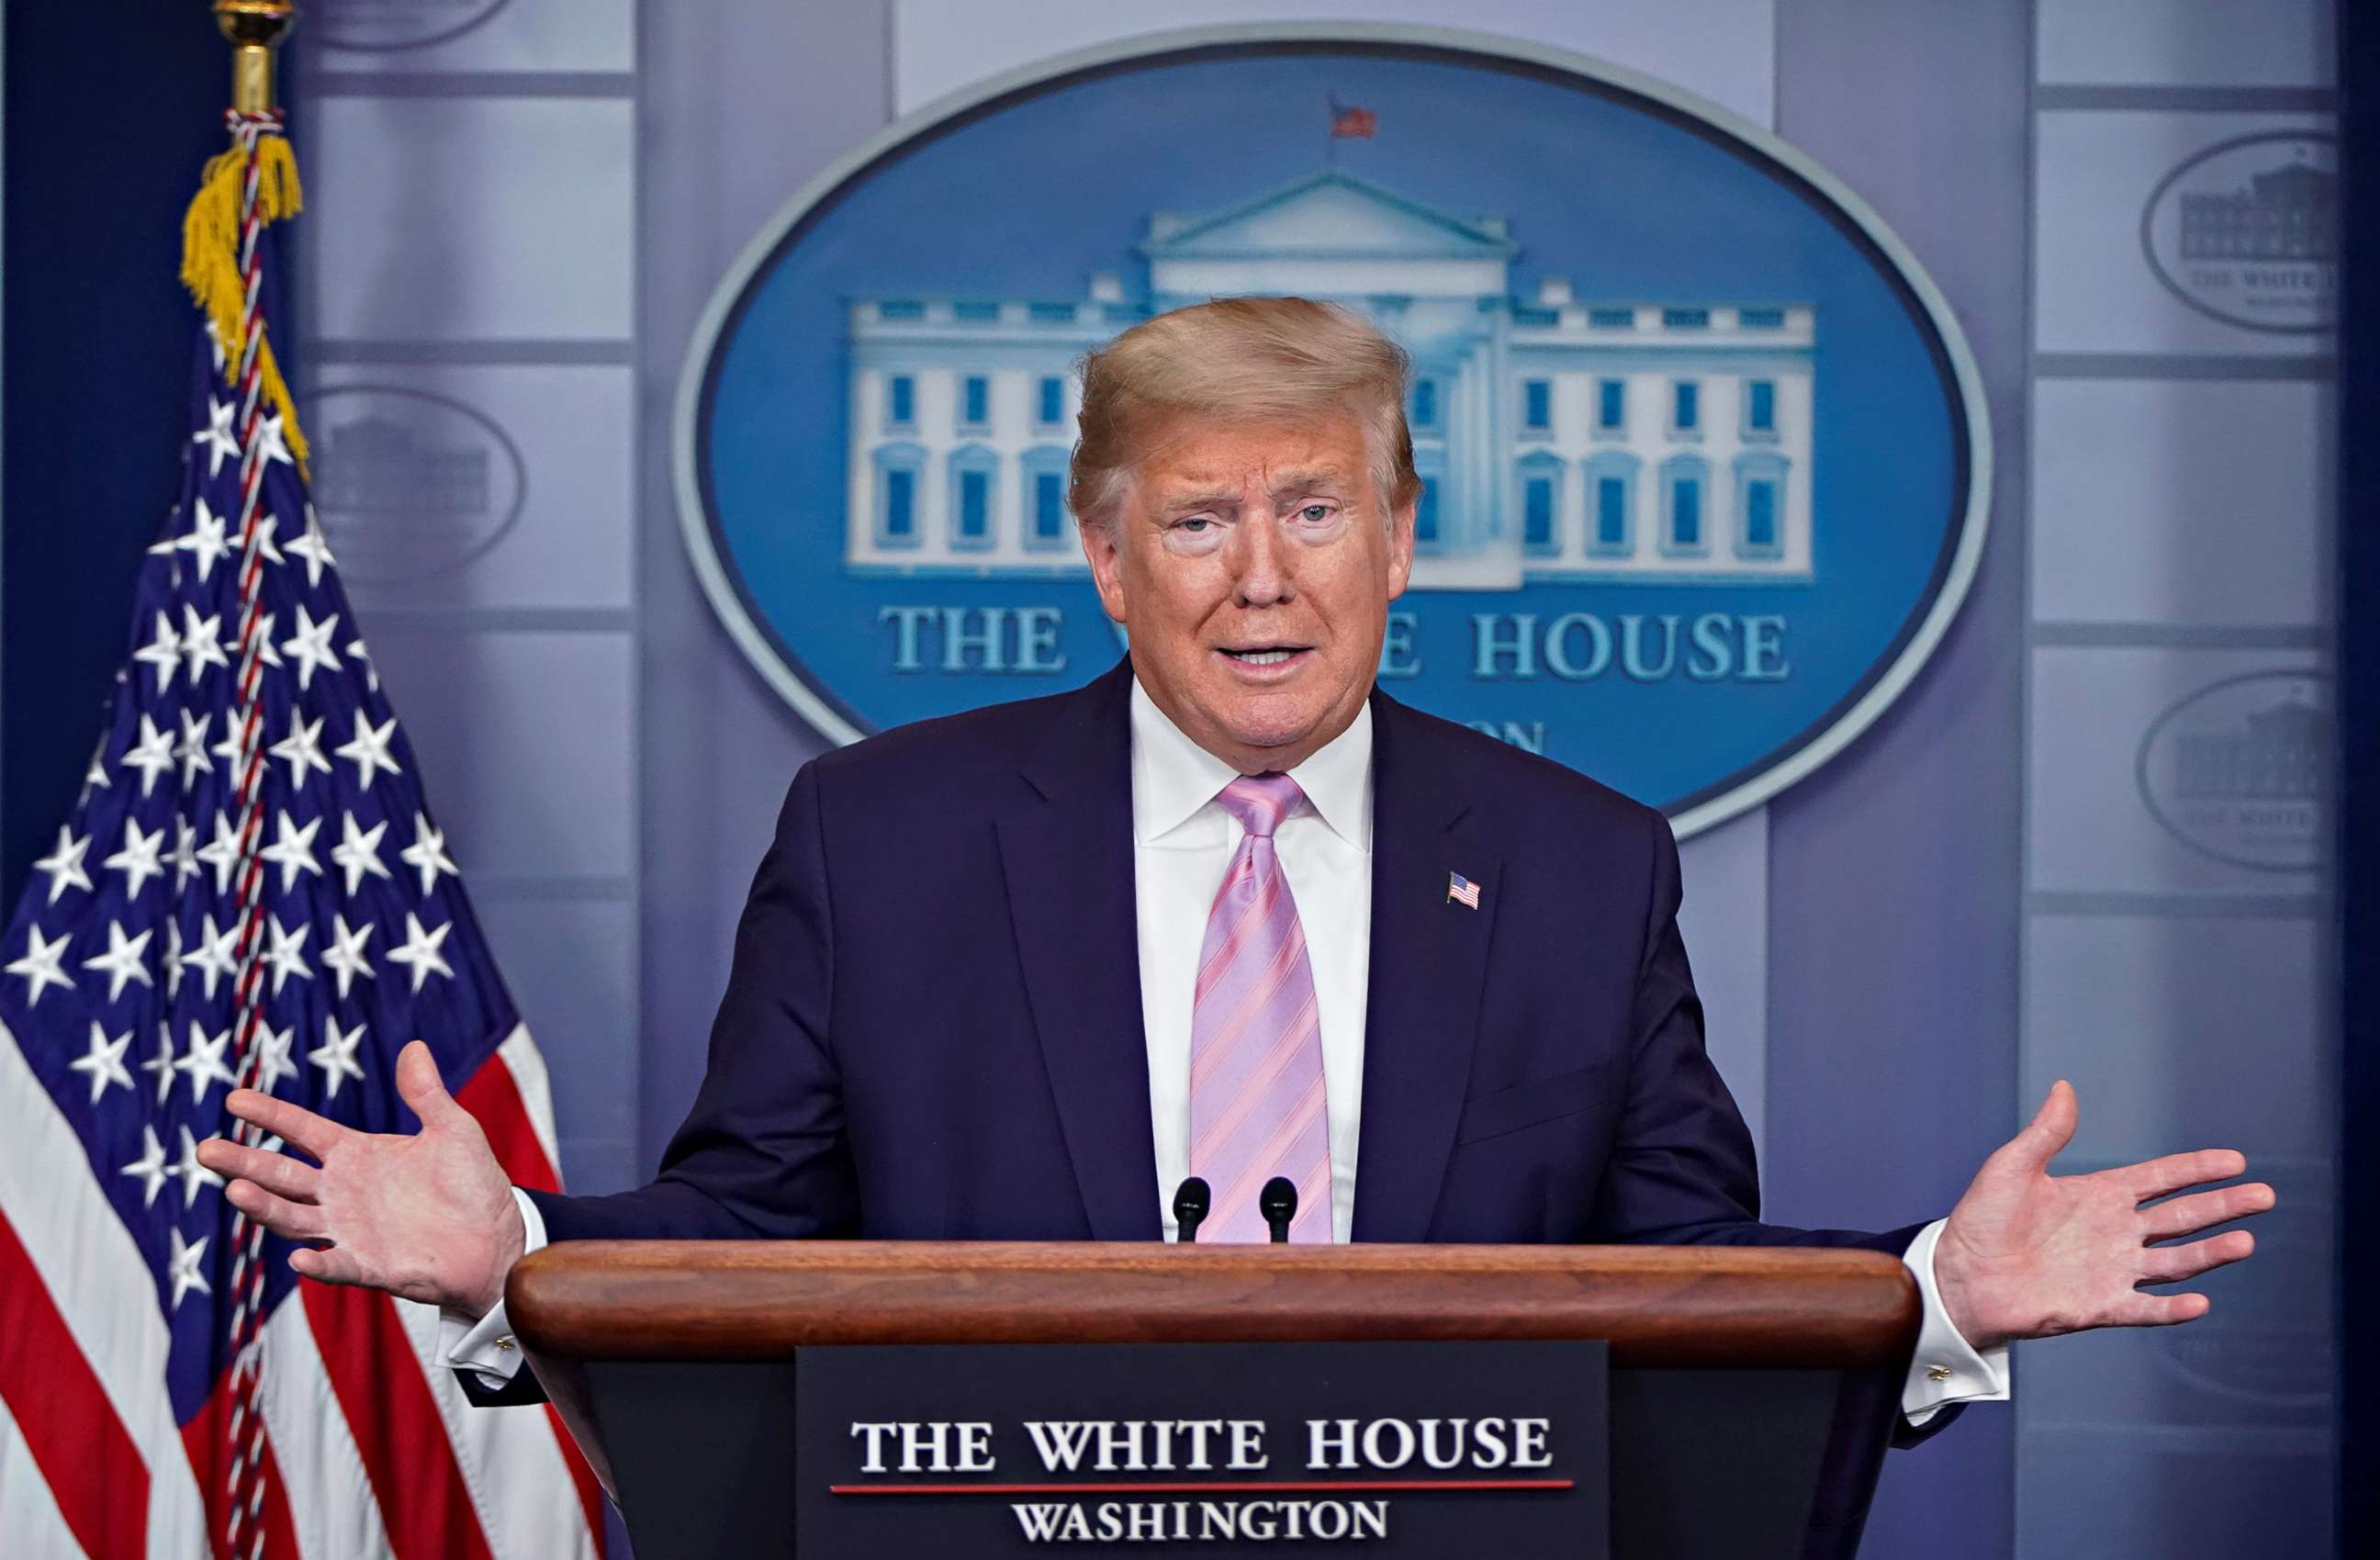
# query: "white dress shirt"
{"points": [[1183, 842]]}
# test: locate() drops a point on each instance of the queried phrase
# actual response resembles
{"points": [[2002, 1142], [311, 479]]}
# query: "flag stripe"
{"points": [[423, 1499], [204, 1444], [331, 1504], [507, 1097], [95, 1472], [30, 1519], [105, 1293]]}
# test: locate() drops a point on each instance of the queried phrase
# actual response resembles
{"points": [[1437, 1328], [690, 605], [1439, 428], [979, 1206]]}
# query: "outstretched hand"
{"points": [[2027, 1254], [426, 1218]]}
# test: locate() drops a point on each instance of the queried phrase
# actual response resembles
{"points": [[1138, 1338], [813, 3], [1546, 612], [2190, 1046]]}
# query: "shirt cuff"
{"points": [[487, 1347], [1946, 1369]]}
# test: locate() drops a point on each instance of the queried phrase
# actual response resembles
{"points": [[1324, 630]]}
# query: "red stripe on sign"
{"points": [[424, 1503], [94, 1471], [206, 1441], [492, 1096]]}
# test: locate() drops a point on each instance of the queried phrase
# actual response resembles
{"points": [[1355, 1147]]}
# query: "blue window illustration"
{"points": [[1050, 410], [899, 402], [1540, 486], [896, 494], [1685, 485], [972, 470], [1760, 501], [1686, 407], [1760, 319], [1425, 536], [975, 401], [1538, 405], [1611, 503], [1423, 413], [1045, 498], [1611, 406], [1760, 409]]}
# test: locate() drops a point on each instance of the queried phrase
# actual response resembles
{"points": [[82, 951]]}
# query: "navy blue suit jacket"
{"points": [[932, 1030]]}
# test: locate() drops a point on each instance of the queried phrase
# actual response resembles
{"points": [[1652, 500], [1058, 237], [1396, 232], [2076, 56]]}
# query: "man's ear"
{"points": [[1400, 548], [1104, 551]]}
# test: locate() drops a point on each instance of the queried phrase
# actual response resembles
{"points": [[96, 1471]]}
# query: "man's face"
{"points": [[1253, 565]]}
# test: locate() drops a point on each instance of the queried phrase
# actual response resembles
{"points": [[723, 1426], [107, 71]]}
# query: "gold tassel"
{"points": [[211, 260]]}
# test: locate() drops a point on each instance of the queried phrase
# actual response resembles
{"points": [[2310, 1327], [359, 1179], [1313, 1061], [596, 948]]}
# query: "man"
{"points": [[1231, 912]]}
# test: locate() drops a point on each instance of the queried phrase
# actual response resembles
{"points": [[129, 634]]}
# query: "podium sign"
{"points": [[1408, 1448]]}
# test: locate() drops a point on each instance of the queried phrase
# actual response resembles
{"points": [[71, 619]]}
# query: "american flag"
{"points": [[1352, 124], [252, 889], [1462, 889]]}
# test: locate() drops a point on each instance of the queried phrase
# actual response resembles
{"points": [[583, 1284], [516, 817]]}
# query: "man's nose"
{"points": [[1260, 572]]}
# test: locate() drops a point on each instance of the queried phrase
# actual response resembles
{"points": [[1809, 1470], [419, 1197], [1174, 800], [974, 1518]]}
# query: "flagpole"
{"points": [[255, 29]]}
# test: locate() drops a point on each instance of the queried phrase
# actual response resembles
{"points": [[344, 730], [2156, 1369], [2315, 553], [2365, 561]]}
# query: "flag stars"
{"points": [[103, 1062], [344, 954], [293, 850], [358, 852], [199, 645], [207, 542], [173, 959], [138, 857], [369, 748], [310, 646], [186, 856], [303, 749], [189, 1172], [216, 436], [222, 853], [336, 1055], [421, 953], [65, 863], [183, 1265], [216, 955], [203, 1062], [272, 1063], [43, 965], [286, 957], [426, 854], [153, 754], [162, 652], [314, 547], [161, 1067], [125, 959], [270, 444], [149, 1166], [356, 653], [192, 749]]}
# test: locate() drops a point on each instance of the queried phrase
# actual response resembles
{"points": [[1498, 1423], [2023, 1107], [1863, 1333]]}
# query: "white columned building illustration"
{"points": [[1558, 436]]}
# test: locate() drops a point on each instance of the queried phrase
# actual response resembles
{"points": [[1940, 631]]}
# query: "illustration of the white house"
{"points": [[1558, 438]]}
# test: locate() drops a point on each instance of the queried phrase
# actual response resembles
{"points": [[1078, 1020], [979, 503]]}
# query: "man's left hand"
{"points": [[2027, 1254]]}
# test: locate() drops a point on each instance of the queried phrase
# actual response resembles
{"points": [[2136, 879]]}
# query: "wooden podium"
{"points": [[1743, 1381]]}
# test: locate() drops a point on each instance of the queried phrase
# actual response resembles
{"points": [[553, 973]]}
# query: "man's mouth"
{"points": [[1264, 655]]}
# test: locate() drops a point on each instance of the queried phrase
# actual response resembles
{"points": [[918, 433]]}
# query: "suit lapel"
{"points": [[1068, 864], [1428, 964]]}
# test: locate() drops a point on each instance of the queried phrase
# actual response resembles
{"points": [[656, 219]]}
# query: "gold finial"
{"points": [[255, 29]]}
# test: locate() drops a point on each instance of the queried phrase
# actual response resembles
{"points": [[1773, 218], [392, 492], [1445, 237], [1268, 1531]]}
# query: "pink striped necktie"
{"points": [[1257, 1106]]}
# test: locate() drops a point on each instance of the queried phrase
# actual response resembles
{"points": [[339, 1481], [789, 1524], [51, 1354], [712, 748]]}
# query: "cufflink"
{"points": [[505, 1346], [1933, 1372]]}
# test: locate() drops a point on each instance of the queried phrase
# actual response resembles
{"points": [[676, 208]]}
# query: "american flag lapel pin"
{"points": [[1462, 890]]}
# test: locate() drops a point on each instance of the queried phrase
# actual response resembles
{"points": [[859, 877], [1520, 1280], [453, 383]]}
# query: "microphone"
{"points": [[1190, 1201], [1277, 1203]]}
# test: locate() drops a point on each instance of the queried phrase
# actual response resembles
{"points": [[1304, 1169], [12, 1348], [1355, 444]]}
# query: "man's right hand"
{"points": [[428, 1218]]}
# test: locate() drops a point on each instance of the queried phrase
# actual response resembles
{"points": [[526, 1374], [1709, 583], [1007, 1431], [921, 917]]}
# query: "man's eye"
{"points": [[1315, 513], [1196, 524]]}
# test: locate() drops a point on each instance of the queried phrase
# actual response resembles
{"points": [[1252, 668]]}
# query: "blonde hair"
{"points": [[1263, 360]]}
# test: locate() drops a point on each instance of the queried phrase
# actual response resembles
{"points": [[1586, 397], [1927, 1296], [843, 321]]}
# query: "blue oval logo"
{"points": [[388, 26], [408, 483], [2241, 771], [1705, 459]]}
